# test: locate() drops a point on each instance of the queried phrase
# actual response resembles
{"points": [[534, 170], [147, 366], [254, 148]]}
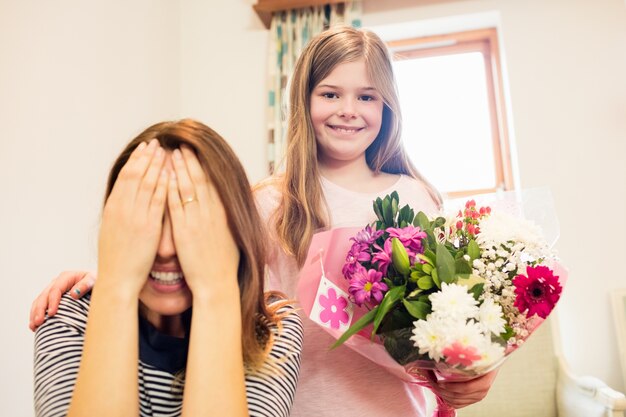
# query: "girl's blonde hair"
{"points": [[302, 209], [227, 175]]}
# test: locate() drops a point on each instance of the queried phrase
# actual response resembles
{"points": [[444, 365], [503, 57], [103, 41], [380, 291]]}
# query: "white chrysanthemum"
{"points": [[430, 337], [490, 353], [467, 334], [453, 302], [502, 227], [490, 317]]}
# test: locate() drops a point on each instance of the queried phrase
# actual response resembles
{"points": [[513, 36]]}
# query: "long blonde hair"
{"points": [[302, 208], [226, 173]]}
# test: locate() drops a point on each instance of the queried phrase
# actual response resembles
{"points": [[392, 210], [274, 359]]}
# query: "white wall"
{"points": [[78, 79], [223, 78]]}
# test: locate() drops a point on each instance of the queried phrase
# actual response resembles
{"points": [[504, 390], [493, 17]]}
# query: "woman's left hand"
{"points": [[205, 247], [459, 394]]}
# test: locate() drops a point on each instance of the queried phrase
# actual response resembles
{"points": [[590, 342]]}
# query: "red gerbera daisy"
{"points": [[538, 292]]}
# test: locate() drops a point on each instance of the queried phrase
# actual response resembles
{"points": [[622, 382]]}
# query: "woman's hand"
{"points": [[132, 221], [78, 283], [205, 247], [459, 394]]}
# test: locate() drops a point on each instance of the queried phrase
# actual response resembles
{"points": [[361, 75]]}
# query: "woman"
{"points": [[178, 323]]}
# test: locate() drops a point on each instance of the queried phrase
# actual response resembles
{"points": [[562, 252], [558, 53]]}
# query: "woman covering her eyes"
{"points": [[178, 323]]}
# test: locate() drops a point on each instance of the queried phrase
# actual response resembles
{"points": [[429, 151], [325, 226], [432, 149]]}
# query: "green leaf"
{"points": [[406, 216], [462, 267], [378, 209], [394, 208], [387, 213], [414, 293], [436, 279], [428, 257], [438, 222], [508, 332], [477, 290], [425, 283], [427, 268], [417, 309], [445, 265], [392, 297], [422, 221], [473, 250], [394, 196], [366, 319]]}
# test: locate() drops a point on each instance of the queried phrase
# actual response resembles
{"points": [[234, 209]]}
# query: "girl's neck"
{"points": [[355, 175]]}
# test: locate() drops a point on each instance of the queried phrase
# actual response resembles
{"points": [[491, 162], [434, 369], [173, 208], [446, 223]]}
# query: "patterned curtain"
{"points": [[289, 32]]}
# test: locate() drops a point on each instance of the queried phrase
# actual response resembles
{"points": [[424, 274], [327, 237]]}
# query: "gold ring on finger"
{"points": [[189, 200]]}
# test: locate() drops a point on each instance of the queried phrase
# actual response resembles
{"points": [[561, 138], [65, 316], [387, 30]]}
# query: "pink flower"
{"points": [[334, 309], [367, 236], [458, 354], [538, 292], [357, 254], [410, 236], [383, 256], [366, 286]]}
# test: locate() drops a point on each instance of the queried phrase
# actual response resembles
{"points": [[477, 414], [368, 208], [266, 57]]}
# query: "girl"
{"points": [[344, 150], [179, 300]]}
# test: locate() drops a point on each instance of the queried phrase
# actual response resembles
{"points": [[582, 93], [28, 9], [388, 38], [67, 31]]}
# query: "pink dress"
{"points": [[340, 382]]}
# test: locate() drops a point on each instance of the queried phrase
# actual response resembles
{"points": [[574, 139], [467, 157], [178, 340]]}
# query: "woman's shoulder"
{"points": [[286, 327], [287, 320], [71, 312]]}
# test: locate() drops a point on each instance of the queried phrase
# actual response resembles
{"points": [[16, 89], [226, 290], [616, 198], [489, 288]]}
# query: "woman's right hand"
{"points": [[132, 221], [78, 283]]}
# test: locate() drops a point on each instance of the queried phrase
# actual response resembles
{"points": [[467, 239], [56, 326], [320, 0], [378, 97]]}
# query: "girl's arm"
{"points": [[107, 382], [209, 257]]}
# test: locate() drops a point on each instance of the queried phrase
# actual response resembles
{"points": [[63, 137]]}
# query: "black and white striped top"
{"points": [[59, 344]]}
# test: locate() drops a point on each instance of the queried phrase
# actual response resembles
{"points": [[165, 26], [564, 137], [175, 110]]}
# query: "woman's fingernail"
{"points": [[177, 154], [77, 291], [142, 145]]}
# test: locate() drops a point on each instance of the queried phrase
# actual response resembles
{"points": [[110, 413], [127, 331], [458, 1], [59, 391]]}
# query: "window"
{"points": [[454, 124]]}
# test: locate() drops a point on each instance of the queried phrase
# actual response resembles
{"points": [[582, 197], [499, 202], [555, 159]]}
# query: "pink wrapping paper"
{"points": [[321, 279]]}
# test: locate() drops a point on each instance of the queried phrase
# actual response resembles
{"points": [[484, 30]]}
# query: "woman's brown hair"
{"points": [[227, 175]]}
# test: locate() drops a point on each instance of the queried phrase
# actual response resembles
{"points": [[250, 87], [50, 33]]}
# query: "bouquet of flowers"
{"points": [[455, 294]]}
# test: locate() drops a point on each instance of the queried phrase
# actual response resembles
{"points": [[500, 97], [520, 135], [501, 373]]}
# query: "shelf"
{"points": [[265, 8]]}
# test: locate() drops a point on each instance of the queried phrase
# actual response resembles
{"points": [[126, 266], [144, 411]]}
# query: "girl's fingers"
{"points": [[54, 299], [82, 287], [186, 189], [38, 310]]}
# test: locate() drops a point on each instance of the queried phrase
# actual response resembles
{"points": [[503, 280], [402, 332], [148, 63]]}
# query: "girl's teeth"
{"points": [[166, 277]]}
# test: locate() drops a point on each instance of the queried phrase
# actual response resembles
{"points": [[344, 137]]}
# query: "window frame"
{"points": [[484, 41]]}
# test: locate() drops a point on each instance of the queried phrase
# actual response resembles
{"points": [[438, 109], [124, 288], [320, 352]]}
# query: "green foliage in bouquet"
{"points": [[411, 282]]}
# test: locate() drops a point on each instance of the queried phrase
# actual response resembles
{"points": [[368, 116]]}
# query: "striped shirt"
{"points": [[59, 344]]}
